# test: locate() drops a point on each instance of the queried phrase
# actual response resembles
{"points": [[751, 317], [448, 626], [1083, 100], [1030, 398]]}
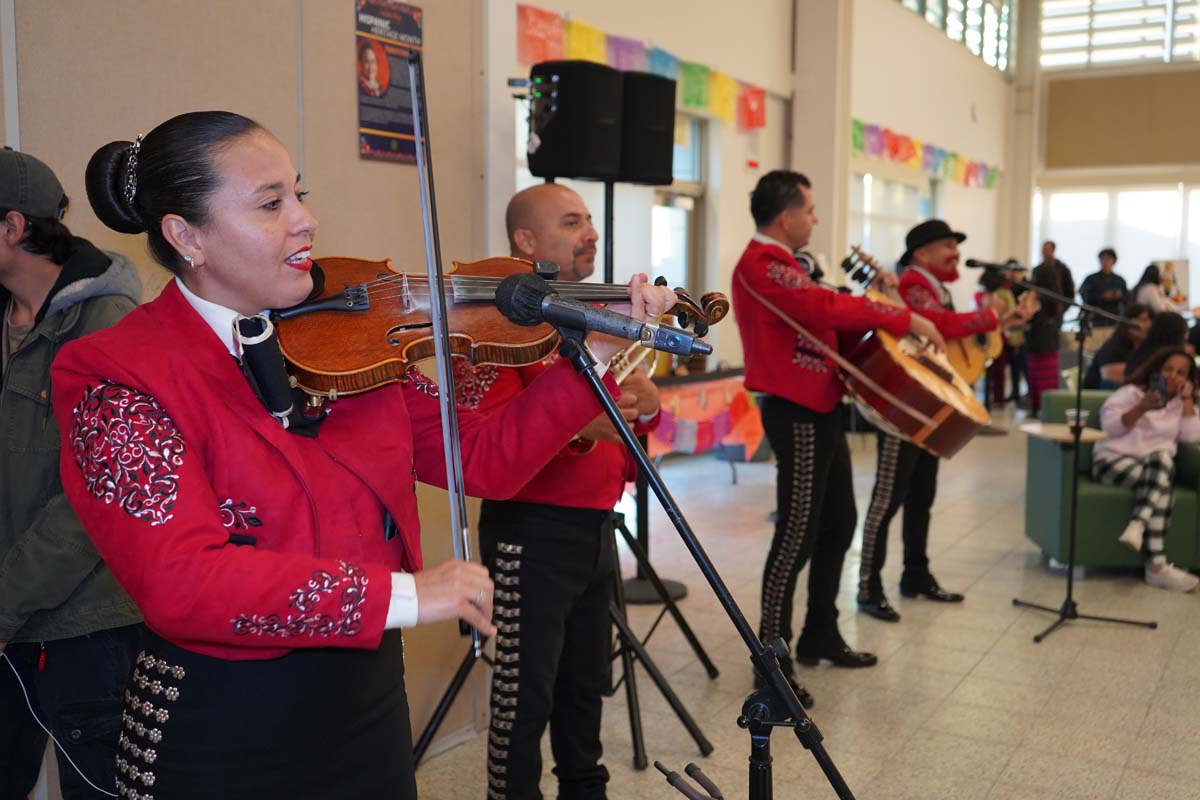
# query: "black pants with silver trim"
{"points": [[553, 568], [317, 722], [816, 518], [904, 475]]}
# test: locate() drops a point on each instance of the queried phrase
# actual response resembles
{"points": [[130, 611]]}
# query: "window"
{"points": [[675, 215], [1157, 223], [1083, 33], [984, 26], [882, 212], [935, 13]]}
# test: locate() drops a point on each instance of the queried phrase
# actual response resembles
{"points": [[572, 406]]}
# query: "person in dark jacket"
{"points": [[1167, 330], [1050, 259], [1107, 368], [1105, 289], [1045, 327], [67, 629]]}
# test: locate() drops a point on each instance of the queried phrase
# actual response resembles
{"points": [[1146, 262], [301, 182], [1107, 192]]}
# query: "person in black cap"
{"points": [[67, 628], [905, 474]]}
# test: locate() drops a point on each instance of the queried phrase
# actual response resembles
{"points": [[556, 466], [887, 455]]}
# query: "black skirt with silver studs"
{"points": [[327, 723]]}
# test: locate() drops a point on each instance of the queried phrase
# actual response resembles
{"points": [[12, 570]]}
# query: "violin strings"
{"points": [[488, 291], [482, 281], [481, 296]]}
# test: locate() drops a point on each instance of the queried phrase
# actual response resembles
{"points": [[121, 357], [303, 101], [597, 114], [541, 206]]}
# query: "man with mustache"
{"points": [[550, 548], [803, 414], [905, 474]]}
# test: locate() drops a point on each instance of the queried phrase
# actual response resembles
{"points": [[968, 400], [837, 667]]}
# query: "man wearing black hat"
{"points": [[66, 628], [802, 413], [905, 474]]}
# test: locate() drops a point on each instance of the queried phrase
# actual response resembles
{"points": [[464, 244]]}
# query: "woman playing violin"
{"points": [[273, 595]]}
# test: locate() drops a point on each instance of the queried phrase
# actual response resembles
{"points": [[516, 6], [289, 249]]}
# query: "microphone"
{"points": [[526, 299], [975, 262]]}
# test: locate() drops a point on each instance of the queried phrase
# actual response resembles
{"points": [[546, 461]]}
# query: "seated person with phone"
{"points": [[1144, 420]]}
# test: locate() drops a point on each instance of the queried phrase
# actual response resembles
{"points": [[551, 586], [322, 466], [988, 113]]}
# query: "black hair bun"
{"points": [[105, 180]]}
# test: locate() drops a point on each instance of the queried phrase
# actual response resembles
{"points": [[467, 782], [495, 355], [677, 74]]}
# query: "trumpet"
{"points": [[625, 362]]}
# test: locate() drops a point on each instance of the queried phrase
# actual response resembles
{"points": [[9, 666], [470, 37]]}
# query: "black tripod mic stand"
{"points": [[777, 704], [1069, 610]]}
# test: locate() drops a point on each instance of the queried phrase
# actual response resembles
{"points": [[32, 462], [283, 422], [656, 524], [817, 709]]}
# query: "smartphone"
{"points": [[1158, 383]]}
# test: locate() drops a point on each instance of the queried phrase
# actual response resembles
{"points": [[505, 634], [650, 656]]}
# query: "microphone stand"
{"points": [[1069, 610], [775, 706]]}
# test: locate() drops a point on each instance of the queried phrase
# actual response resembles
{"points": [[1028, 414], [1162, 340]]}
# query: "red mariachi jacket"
{"points": [[780, 361], [926, 295], [171, 461], [580, 475]]}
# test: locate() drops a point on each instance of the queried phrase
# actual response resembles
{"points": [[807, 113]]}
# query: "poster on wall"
{"points": [[1174, 274], [386, 33]]}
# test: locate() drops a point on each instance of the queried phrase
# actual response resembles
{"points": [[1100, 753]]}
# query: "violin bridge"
{"points": [[406, 293]]}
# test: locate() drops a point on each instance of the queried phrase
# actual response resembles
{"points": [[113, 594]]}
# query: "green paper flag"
{"points": [[991, 178], [857, 135], [693, 81]]}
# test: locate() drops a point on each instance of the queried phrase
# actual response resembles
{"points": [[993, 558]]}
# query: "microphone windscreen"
{"points": [[519, 298]]}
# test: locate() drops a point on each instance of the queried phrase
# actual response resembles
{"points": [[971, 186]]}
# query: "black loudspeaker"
{"points": [[575, 121], [648, 128]]}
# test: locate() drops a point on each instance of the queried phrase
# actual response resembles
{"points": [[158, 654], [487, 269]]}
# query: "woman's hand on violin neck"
{"points": [[646, 302], [455, 590]]}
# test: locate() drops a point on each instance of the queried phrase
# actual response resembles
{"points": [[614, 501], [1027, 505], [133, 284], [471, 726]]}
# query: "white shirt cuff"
{"points": [[402, 609], [644, 418]]}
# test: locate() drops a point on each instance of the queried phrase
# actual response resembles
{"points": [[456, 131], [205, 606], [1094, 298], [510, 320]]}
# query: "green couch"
{"points": [[1103, 510]]}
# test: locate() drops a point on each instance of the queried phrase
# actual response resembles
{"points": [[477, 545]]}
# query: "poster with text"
{"points": [[386, 33]]}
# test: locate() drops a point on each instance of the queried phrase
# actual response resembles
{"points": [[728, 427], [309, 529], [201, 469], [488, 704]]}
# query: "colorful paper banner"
{"points": [[585, 42], [694, 84], [877, 142], [539, 35], [660, 62], [627, 55], [752, 107], [722, 95], [699, 417]]}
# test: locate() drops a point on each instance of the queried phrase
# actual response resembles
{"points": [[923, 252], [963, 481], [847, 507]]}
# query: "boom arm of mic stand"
{"points": [[766, 659]]}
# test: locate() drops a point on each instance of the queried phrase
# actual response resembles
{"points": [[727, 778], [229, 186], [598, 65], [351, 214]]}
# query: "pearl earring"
{"points": [[189, 261]]}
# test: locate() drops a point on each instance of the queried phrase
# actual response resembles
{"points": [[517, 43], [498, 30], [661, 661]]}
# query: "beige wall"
{"points": [[1122, 120], [93, 72], [908, 76]]}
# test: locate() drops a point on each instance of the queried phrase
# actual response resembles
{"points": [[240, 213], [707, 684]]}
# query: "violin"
{"points": [[366, 323]]}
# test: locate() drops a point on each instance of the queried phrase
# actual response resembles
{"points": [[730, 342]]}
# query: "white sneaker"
{"points": [[1173, 578], [1133, 535]]}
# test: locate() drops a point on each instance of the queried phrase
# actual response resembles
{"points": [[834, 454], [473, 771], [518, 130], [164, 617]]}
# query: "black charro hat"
{"points": [[928, 231]]}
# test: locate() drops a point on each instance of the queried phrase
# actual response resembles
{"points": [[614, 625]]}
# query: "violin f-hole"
{"points": [[394, 332]]}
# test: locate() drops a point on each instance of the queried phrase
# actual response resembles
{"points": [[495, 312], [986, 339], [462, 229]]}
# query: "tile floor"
{"points": [[962, 704]]}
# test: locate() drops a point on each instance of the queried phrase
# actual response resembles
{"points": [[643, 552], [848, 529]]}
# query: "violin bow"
{"points": [[441, 331]]}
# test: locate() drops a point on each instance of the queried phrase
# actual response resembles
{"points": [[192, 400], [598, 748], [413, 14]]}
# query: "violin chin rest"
{"points": [[318, 279]]}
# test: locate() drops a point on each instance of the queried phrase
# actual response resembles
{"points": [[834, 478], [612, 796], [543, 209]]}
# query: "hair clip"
{"points": [[131, 171]]}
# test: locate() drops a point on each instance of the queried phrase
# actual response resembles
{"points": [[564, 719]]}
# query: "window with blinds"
{"points": [[984, 26], [1083, 33]]}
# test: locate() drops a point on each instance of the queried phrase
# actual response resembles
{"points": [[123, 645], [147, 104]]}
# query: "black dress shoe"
{"points": [[806, 698], [836, 651], [931, 591], [879, 608]]}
